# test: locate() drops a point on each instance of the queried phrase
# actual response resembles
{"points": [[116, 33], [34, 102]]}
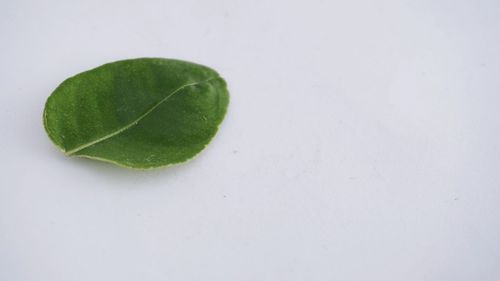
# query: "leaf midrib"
{"points": [[133, 123]]}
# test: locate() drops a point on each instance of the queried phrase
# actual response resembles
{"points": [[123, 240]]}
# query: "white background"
{"points": [[362, 142]]}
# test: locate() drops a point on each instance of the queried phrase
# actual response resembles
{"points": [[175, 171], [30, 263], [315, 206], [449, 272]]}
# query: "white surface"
{"points": [[362, 143]]}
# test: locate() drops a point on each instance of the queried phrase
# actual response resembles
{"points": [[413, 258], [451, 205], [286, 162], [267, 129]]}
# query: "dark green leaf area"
{"points": [[140, 113]]}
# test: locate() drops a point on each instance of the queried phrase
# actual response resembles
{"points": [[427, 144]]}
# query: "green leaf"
{"points": [[139, 113]]}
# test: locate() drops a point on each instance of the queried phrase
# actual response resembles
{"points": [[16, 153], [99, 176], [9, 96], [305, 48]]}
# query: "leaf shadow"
{"points": [[126, 176]]}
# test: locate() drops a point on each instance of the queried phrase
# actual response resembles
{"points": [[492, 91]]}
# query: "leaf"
{"points": [[139, 113]]}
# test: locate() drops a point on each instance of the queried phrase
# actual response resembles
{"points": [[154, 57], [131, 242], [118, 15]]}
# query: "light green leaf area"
{"points": [[139, 113]]}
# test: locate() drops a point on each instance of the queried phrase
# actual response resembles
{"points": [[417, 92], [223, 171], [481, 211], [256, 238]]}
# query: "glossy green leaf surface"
{"points": [[139, 113]]}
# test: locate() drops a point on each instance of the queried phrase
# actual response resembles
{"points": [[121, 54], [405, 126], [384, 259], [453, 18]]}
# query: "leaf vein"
{"points": [[134, 122]]}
